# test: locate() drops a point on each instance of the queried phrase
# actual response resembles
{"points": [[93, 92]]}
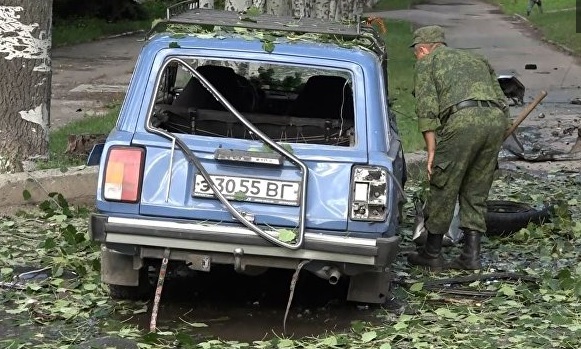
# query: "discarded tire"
{"points": [[506, 217]]}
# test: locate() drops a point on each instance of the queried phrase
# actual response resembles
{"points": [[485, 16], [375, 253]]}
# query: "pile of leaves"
{"points": [[526, 296]]}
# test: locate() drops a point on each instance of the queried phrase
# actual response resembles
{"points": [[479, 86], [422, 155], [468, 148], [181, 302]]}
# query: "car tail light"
{"points": [[369, 193], [123, 172]]}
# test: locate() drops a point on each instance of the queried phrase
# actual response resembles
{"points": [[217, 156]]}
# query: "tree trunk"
{"points": [[25, 78], [237, 5], [209, 4], [370, 3], [278, 7], [302, 8], [259, 4], [321, 9]]}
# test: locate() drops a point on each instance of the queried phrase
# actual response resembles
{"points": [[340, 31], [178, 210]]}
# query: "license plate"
{"points": [[250, 189]]}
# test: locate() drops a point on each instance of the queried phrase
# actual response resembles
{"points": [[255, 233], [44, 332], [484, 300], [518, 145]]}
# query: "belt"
{"points": [[470, 103]]}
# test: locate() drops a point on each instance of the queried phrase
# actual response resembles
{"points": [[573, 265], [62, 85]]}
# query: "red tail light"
{"points": [[123, 172]]}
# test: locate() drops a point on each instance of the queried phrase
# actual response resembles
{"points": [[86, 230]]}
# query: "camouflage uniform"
{"points": [[467, 140], [533, 3]]}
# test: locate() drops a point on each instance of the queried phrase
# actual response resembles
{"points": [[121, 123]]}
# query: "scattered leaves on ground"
{"points": [[60, 302]]}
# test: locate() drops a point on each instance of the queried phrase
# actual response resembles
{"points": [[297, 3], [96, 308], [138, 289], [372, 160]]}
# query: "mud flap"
{"points": [[370, 287], [118, 268]]}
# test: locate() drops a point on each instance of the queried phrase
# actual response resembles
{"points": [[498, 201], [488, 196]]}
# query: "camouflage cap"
{"points": [[428, 35]]}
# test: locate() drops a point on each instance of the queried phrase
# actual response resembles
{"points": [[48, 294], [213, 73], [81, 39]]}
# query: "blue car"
{"points": [[257, 142]]}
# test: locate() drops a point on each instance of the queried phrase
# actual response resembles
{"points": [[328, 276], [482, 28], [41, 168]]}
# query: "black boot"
{"points": [[469, 259], [429, 256]]}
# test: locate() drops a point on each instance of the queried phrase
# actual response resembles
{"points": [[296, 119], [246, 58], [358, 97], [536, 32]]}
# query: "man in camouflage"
{"points": [[532, 3], [462, 113]]}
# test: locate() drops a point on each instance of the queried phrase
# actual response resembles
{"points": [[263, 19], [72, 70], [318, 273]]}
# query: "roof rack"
{"points": [[189, 12]]}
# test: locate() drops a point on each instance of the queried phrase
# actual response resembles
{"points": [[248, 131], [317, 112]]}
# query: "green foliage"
{"points": [[538, 310], [401, 73], [557, 23], [58, 138]]}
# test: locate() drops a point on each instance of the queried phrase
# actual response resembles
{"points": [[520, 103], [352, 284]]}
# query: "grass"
{"points": [[89, 29], [557, 23], [387, 5], [401, 72], [71, 32], [58, 139]]}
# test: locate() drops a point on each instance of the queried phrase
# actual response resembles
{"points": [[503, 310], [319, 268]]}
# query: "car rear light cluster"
{"points": [[123, 173], [369, 189]]}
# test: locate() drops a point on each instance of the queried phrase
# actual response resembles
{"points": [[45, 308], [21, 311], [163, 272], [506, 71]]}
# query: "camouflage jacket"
{"points": [[448, 76]]}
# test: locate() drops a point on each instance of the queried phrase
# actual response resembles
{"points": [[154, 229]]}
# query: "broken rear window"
{"points": [[293, 104]]}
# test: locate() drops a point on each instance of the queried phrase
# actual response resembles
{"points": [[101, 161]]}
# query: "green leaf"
{"points": [[507, 291], [447, 313], [89, 287], [253, 11], [268, 46], [285, 343], [385, 346], [368, 336], [357, 326], [418, 286], [248, 19], [240, 196], [329, 341], [286, 235], [174, 44], [400, 326], [33, 287], [185, 340], [8, 224], [26, 195]]}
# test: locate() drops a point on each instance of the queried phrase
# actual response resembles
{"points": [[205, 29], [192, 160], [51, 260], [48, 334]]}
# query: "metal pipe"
{"points": [[334, 276]]}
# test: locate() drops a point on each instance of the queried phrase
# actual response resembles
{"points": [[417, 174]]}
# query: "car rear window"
{"points": [[289, 103]]}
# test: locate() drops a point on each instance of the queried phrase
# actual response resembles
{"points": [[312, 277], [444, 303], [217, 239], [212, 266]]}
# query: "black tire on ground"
{"points": [[139, 292], [506, 217]]}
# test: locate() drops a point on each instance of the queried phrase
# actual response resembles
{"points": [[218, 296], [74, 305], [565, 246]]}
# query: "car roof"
{"points": [[240, 43], [186, 19]]}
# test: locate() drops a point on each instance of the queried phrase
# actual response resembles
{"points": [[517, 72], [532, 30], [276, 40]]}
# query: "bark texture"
{"points": [[328, 9], [237, 5], [302, 8], [209, 4], [25, 40], [278, 7]]}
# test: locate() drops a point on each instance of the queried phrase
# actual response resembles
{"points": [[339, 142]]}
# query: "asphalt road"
{"points": [[511, 44], [89, 77]]}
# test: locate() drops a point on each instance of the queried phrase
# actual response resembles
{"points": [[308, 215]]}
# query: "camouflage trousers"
{"points": [[533, 3], [467, 148]]}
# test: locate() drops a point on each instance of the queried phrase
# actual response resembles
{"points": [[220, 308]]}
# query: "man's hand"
{"points": [[430, 139]]}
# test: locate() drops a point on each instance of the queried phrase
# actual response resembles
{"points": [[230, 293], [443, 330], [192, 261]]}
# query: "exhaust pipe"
{"points": [[334, 276], [328, 273]]}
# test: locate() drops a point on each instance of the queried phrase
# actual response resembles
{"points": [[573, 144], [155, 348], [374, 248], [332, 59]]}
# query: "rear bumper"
{"points": [[149, 237]]}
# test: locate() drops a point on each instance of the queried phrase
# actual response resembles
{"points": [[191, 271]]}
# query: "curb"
{"points": [[76, 184]]}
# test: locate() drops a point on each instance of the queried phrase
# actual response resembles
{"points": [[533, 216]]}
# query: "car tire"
{"points": [[506, 217]]}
